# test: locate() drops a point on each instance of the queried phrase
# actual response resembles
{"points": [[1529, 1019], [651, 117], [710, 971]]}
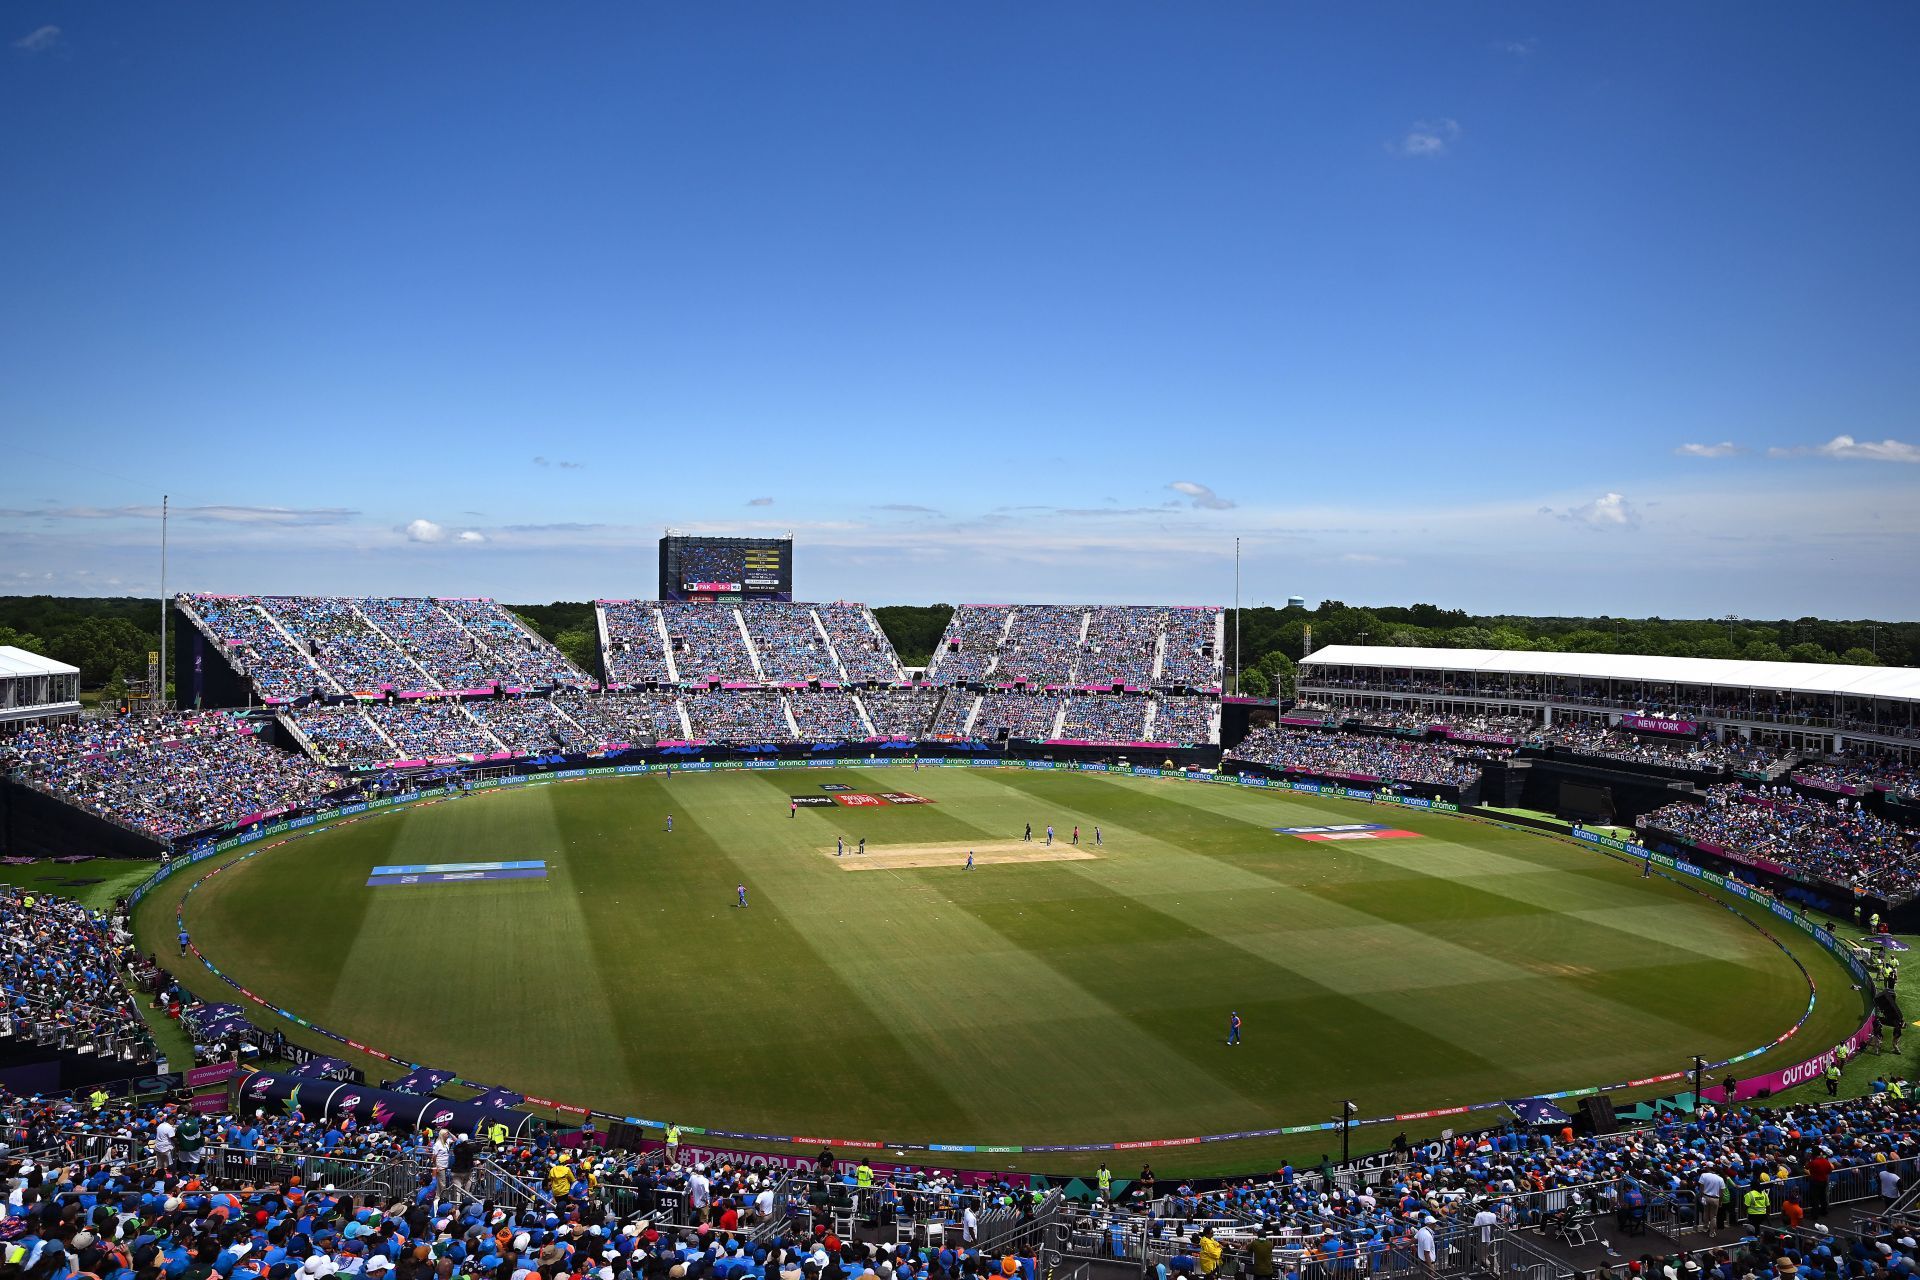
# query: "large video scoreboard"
{"points": [[694, 567]]}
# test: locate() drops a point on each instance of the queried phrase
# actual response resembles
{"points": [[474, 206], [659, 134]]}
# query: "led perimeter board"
{"points": [[693, 567]]}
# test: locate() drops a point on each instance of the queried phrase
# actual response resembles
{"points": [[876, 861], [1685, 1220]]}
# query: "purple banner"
{"points": [[1303, 722], [1831, 788], [216, 1073], [1659, 724], [1772, 1082], [1100, 742]]}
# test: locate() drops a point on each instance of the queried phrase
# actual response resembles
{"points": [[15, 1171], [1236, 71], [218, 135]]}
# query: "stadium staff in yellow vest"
{"points": [[1758, 1202], [1106, 1182], [98, 1098], [863, 1182], [673, 1144], [497, 1134], [1209, 1253]]}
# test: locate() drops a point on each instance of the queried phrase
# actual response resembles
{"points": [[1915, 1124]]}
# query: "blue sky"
{"points": [[1519, 308]]}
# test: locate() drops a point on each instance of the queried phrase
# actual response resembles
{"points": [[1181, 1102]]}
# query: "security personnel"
{"points": [[1897, 1089], [98, 1098], [673, 1144], [1833, 1079], [1106, 1181], [1758, 1202], [863, 1182], [497, 1134]]}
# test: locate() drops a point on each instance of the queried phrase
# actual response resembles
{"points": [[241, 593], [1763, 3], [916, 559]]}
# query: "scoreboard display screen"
{"points": [[693, 567]]}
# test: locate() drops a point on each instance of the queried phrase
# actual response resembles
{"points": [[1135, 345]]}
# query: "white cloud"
{"points": [[1367, 557], [1859, 450], [472, 535], [558, 462], [1608, 511], [39, 40], [1428, 139], [759, 502], [1725, 449], [424, 531], [1523, 48], [1201, 495]]}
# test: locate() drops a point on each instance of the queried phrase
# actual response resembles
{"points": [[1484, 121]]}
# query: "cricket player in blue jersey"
{"points": [[740, 892], [1233, 1028], [969, 859]]}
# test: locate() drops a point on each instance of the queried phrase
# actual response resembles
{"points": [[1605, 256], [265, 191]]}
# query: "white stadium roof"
{"points": [[18, 662], [1726, 673]]}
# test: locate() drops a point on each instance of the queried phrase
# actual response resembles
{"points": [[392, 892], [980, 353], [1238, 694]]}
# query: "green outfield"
{"points": [[1037, 998]]}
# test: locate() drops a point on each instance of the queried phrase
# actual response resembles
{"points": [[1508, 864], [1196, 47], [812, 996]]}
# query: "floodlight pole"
{"points": [[1347, 1107], [1236, 617], [1699, 1078], [157, 697]]}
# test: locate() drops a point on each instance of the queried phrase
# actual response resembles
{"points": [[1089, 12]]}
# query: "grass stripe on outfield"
{"points": [[1020, 1003]]}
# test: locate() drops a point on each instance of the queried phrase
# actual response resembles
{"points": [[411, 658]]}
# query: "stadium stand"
{"points": [[707, 641], [1111, 717], [749, 716], [865, 653], [827, 713], [164, 775], [341, 734], [1098, 645], [1833, 840], [627, 717], [1029, 716], [1330, 753], [60, 976], [632, 649], [901, 712], [789, 642], [294, 646], [432, 729]]}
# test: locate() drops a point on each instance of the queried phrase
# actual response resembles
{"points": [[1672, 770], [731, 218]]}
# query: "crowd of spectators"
{"points": [[1120, 646], [523, 658], [432, 728], [633, 652], [823, 714], [865, 652], [1029, 716], [749, 716], [1329, 753], [1185, 719], [1861, 772], [1596, 738], [373, 643], [1043, 646], [970, 644], [60, 977], [950, 721], [1192, 659], [451, 657], [258, 649], [789, 643], [1106, 717], [341, 735], [1834, 840], [527, 726], [618, 717], [903, 711], [706, 640], [1692, 1163], [346, 644], [166, 774]]}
